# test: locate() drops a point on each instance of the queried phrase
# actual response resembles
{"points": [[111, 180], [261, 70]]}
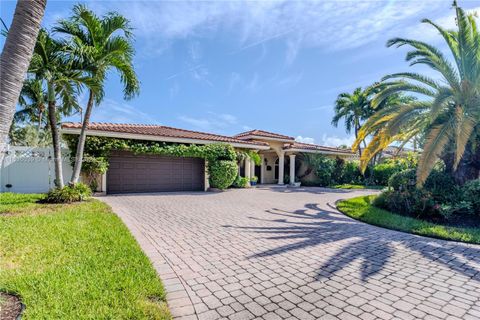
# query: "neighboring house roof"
{"points": [[299, 146], [161, 133], [261, 133]]}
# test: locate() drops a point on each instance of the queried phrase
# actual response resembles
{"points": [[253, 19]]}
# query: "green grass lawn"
{"points": [[355, 186], [75, 261], [360, 208]]}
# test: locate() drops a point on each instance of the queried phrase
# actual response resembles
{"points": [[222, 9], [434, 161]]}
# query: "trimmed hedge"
{"points": [[222, 173]]}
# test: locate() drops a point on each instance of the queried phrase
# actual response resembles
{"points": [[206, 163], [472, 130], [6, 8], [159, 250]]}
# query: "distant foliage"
{"points": [[330, 171]]}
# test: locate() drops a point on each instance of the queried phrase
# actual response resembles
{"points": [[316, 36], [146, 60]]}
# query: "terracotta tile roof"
{"points": [[159, 131], [262, 133], [308, 146]]}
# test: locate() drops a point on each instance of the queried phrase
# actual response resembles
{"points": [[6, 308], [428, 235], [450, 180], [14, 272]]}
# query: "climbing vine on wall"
{"points": [[98, 150]]}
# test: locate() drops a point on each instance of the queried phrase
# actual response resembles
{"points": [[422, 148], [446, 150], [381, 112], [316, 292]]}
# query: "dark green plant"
{"points": [[471, 194], [351, 173], [240, 182], [403, 180], [68, 194], [383, 171], [222, 173]]}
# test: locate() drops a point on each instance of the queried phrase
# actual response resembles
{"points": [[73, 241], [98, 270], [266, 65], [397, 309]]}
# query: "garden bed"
{"points": [[10, 306], [75, 261], [361, 208]]}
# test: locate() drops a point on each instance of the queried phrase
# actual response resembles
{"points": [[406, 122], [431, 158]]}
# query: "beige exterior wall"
{"points": [[269, 176]]}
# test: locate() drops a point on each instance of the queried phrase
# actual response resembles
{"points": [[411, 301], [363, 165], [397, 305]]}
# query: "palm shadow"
{"points": [[373, 246]]}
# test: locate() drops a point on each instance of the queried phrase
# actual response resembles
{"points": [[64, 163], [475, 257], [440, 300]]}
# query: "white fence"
{"points": [[31, 170]]}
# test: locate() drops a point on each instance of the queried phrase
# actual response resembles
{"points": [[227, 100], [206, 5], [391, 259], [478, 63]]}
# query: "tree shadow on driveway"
{"points": [[374, 246]]}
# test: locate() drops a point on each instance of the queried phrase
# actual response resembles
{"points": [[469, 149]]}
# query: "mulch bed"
{"points": [[10, 306]]}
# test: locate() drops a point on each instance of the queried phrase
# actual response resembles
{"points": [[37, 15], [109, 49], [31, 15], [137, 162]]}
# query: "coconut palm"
{"points": [[354, 108], [15, 58], [449, 113], [61, 81], [101, 44]]}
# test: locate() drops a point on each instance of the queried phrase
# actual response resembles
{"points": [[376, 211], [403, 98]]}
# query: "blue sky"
{"points": [[230, 66]]}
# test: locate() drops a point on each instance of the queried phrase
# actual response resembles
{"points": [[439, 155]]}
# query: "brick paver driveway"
{"points": [[277, 254]]}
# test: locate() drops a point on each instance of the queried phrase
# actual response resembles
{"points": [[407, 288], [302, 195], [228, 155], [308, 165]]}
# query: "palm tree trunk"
{"points": [[81, 140], [57, 152], [356, 137], [15, 59]]}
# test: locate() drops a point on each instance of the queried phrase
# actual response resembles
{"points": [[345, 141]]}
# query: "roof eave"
{"points": [[265, 138], [135, 136], [319, 151]]}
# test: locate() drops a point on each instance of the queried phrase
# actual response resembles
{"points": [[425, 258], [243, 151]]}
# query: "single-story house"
{"points": [[153, 173]]}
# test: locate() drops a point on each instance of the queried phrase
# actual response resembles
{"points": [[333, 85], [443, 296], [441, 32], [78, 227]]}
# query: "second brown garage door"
{"points": [[150, 173]]}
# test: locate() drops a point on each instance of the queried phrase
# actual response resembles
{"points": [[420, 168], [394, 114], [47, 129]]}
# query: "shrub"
{"points": [[222, 173], [68, 194], [351, 173], [240, 182], [471, 194], [337, 173], [381, 201], [443, 188], [324, 170], [383, 171], [220, 151], [403, 180], [419, 202]]}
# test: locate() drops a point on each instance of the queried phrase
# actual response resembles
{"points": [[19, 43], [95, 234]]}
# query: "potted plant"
{"points": [[253, 181]]}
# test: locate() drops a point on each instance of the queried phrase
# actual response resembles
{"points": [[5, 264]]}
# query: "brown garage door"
{"points": [[150, 173]]}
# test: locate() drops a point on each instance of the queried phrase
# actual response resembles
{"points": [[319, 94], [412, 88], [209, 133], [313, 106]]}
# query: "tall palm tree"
{"points": [[62, 81], [353, 108], [101, 44], [15, 58], [449, 113]]}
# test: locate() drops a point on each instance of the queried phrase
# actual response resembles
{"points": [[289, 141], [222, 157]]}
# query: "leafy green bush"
{"points": [[403, 180], [471, 194], [222, 173], [443, 188], [351, 173], [324, 170], [383, 171], [381, 201], [68, 194], [419, 203], [240, 182]]}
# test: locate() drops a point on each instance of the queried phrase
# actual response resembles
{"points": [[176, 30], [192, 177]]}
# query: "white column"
{"points": [[262, 168], [281, 166], [247, 168], [292, 169], [252, 168]]}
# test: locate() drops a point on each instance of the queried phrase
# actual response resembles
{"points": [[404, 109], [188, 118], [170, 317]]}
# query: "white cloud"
{"points": [[328, 24], [428, 33], [305, 139], [335, 141], [120, 112], [211, 121]]}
